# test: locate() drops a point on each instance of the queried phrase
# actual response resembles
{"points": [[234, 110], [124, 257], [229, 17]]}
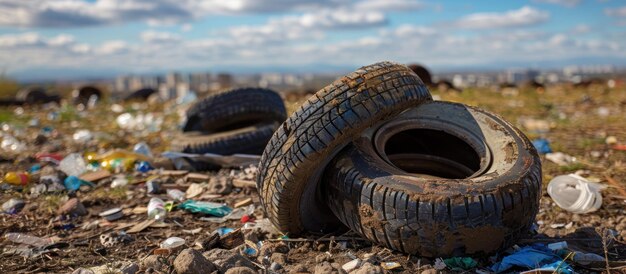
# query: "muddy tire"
{"points": [[442, 179], [83, 94], [234, 109], [292, 163], [32, 95], [248, 140]]}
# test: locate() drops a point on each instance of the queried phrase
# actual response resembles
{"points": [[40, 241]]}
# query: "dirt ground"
{"points": [[575, 121]]}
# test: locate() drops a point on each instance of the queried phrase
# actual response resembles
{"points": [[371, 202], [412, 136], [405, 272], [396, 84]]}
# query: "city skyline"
{"points": [[72, 39]]}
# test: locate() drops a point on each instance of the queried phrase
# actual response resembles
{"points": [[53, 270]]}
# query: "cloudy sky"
{"points": [[77, 38]]}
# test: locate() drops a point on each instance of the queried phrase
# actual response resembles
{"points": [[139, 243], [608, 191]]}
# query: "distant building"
{"points": [[516, 76], [200, 81]]}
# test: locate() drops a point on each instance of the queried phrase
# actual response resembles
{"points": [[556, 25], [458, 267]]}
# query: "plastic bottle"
{"points": [[17, 178], [176, 195], [575, 194], [9, 143], [82, 136], [73, 165], [119, 181], [156, 209], [142, 148], [20, 238]]}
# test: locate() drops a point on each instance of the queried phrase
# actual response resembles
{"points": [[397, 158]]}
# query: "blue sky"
{"points": [[77, 38]]}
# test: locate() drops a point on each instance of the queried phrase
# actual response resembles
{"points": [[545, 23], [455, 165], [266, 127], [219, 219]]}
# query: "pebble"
{"points": [[191, 261], [369, 268], [226, 259], [240, 270]]}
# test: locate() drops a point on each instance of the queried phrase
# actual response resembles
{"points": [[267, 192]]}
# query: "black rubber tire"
{"points": [[32, 95], [236, 108], [291, 165], [249, 140], [140, 94], [438, 217], [82, 95]]}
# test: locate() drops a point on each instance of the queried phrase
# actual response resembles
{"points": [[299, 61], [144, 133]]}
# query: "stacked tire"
{"points": [[372, 152], [237, 121]]}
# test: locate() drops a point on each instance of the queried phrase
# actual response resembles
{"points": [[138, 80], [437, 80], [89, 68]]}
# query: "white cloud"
{"points": [[617, 12], [186, 27], [151, 36], [565, 3], [61, 40], [524, 16], [23, 39], [78, 13], [581, 29], [389, 5], [112, 47]]}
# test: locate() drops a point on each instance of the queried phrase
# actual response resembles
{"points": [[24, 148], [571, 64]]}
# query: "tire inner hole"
{"points": [[432, 153]]}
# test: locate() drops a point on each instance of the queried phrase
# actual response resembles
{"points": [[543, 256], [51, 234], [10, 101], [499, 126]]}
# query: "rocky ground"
{"points": [[587, 124]]}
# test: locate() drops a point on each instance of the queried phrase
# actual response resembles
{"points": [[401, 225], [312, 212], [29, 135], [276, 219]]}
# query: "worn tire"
{"points": [[468, 203], [235, 108], [248, 140], [292, 163]]}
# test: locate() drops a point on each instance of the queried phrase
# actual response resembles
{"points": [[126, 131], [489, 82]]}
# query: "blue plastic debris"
{"points": [[224, 230], [528, 257], [143, 167], [73, 183], [542, 146]]}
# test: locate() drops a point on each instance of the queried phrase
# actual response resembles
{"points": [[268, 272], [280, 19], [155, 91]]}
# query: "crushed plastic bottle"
{"points": [[73, 165], [176, 195], [17, 178], [156, 209], [13, 206], [20, 238], [10, 144], [82, 136], [575, 194], [143, 149], [172, 242]]}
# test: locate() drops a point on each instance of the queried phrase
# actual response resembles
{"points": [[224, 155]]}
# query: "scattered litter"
{"points": [[352, 265], [13, 206], [214, 209], [557, 246], [575, 194], [560, 158], [527, 257], [156, 209], [176, 195], [542, 146], [112, 214], [172, 242], [460, 263]]}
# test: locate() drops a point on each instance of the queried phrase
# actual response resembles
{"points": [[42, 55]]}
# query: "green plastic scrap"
{"points": [[460, 263], [215, 209]]}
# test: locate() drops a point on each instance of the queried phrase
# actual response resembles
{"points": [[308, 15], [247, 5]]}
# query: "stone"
{"points": [[325, 267], [219, 185], [226, 259], [279, 258], [429, 271], [270, 248], [190, 261], [324, 257], [275, 266], [240, 270], [154, 262], [369, 268]]}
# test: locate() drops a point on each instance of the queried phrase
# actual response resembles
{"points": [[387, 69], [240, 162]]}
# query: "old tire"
{"points": [[248, 140], [234, 109], [442, 179], [291, 165], [32, 95]]}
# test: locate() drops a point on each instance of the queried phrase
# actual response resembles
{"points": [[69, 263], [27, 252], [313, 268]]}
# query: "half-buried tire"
{"points": [[293, 162], [248, 140], [441, 179], [236, 108]]}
